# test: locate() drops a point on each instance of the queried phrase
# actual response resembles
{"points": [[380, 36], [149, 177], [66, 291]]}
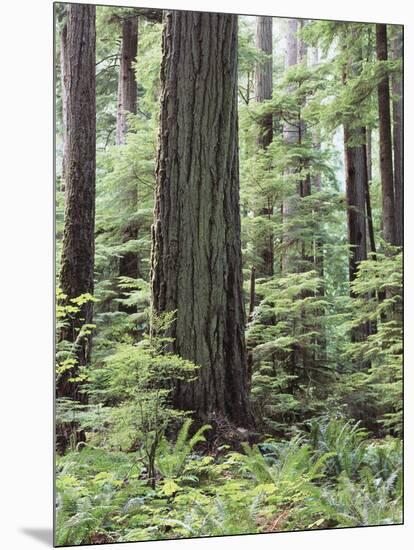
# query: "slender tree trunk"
{"points": [[371, 326], [263, 76], [127, 85], [397, 115], [77, 265], [302, 47], [369, 154], [127, 104], [252, 297], [387, 184], [305, 184], [263, 92], [368, 177], [196, 256], [291, 136]]}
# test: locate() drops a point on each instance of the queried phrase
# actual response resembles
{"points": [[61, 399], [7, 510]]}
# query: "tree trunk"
{"points": [[302, 47], [77, 265], [291, 136], [263, 77], [387, 184], [127, 103], [63, 76], [355, 175], [368, 178], [263, 92], [252, 296], [196, 256], [369, 154], [127, 86], [397, 115], [356, 188]]}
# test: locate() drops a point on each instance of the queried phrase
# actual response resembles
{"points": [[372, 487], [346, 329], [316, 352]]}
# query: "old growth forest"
{"points": [[229, 230]]}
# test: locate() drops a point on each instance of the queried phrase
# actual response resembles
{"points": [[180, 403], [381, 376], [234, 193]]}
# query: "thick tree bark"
{"points": [[397, 115], [196, 256], [263, 92], [127, 104], [63, 76], [77, 264], [387, 184]]}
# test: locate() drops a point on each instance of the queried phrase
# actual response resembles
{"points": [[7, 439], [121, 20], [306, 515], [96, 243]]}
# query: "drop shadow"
{"points": [[43, 535]]}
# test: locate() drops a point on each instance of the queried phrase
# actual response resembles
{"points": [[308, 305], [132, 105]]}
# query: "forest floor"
{"points": [[335, 478]]}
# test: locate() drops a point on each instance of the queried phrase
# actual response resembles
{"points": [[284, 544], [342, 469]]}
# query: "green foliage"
{"points": [[171, 459], [276, 485], [328, 406]]}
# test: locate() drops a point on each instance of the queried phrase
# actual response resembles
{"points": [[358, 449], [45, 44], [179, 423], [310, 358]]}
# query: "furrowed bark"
{"points": [[77, 264], [63, 76], [196, 255]]}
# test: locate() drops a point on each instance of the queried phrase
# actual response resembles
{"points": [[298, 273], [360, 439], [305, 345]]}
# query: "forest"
{"points": [[229, 289]]}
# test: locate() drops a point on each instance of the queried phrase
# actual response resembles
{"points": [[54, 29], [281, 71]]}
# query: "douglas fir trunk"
{"points": [[387, 184], [196, 257], [290, 136], [356, 185], [76, 276], [127, 86], [77, 265], [397, 116], [263, 91], [127, 103]]}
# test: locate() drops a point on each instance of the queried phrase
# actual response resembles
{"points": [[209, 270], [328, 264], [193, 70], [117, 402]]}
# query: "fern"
{"points": [[171, 459]]}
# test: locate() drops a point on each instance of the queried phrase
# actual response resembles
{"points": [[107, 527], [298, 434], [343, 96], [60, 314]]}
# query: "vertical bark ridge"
{"points": [[78, 248], [196, 256]]}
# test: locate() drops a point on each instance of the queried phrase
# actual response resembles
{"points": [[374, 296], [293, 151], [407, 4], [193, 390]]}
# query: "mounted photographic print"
{"points": [[229, 230]]}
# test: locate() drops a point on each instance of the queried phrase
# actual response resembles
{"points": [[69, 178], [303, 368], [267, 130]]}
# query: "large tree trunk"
{"points": [[63, 76], [397, 114], [196, 257], [263, 92], [387, 184], [127, 104], [77, 265]]}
